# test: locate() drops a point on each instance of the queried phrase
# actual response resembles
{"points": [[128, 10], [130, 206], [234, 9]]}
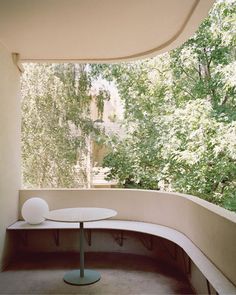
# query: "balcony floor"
{"points": [[121, 274]]}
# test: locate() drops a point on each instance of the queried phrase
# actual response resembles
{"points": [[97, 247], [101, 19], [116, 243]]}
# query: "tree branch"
{"points": [[224, 100], [189, 93], [186, 73]]}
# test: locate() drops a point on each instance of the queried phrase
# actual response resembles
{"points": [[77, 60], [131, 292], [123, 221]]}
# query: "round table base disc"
{"points": [[90, 277]]}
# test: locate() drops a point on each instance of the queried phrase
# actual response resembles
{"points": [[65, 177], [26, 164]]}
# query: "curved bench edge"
{"points": [[218, 280], [221, 284]]}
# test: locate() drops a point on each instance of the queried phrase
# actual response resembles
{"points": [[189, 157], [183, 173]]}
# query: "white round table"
{"points": [[81, 215]]}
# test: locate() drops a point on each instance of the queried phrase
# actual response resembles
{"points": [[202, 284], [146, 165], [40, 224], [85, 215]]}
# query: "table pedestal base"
{"points": [[90, 276]]}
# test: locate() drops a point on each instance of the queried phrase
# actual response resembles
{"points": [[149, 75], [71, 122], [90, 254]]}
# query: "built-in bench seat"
{"points": [[212, 274]]}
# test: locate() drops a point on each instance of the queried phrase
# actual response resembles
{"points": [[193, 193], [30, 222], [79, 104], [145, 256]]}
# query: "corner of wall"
{"points": [[10, 163]]}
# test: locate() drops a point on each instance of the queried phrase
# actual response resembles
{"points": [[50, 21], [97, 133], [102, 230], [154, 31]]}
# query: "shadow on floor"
{"points": [[120, 274]]}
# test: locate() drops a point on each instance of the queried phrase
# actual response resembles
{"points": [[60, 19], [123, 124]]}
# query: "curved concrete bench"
{"points": [[210, 228], [220, 283]]}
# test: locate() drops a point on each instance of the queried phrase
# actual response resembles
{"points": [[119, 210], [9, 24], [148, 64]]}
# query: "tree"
{"points": [[56, 125], [180, 115], [203, 65]]}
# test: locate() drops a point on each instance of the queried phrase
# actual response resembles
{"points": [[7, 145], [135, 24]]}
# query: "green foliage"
{"points": [[56, 125], [180, 118], [180, 115]]}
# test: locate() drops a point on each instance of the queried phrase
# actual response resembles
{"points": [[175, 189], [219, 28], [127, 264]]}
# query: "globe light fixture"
{"points": [[34, 210]]}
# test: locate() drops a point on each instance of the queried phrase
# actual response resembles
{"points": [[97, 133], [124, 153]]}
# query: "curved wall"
{"points": [[211, 228]]}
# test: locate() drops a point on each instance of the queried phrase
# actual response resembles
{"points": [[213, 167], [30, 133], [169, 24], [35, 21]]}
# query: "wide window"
{"points": [[166, 123]]}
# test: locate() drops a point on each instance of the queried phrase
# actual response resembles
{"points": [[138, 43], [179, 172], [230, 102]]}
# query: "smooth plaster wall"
{"points": [[9, 147], [211, 228]]}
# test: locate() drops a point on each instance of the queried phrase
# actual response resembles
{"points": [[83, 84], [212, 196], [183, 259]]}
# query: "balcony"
{"points": [[194, 247], [183, 247]]}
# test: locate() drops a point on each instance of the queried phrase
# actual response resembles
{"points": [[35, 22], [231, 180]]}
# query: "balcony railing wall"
{"points": [[210, 227]]}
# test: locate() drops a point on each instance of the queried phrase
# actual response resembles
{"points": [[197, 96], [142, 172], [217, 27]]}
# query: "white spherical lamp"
{"points": [[34, 210]]}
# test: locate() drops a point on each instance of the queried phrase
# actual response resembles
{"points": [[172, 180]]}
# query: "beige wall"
{"points": [[9, 146], [210, 227]]}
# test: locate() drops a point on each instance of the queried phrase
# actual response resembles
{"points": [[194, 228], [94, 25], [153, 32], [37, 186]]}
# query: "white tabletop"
{"points": [[81, 214]]}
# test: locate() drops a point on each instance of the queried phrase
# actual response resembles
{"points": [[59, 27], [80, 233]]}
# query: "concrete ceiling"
{"points": [[97, 30]]}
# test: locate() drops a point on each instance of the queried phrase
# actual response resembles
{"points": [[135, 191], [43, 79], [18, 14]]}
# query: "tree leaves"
{"points": [[56, 124], [180, 115]]}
